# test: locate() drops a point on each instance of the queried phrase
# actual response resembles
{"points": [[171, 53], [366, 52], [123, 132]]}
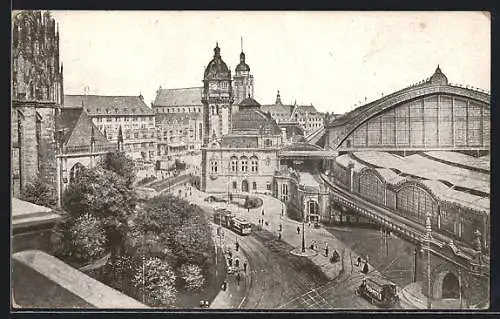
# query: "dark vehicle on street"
{"points": [[239, 225], [212, 198], [223, 217], [379, 292]]}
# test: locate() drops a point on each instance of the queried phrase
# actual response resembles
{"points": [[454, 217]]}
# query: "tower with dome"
{"points": [[242, 81], [217, 98]]}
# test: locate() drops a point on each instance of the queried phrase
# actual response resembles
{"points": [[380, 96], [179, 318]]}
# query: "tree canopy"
{"points": [[121, 164], [106, 196]]}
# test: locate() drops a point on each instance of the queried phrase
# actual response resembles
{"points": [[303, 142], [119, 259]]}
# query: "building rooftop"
{"points": [[249, 120], [77, 128], [109, 105], [278, 109], [421, 166], [178, 97], [482, 163]]}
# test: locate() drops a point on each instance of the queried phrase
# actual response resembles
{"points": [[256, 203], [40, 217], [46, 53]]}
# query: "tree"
{"points": [[105, 195], [87, 238], [192, 276], [155, 281], [39, 193], [121, 164]]}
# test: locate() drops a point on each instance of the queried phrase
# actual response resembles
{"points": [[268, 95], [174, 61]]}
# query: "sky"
{"points": [[333, 60]]}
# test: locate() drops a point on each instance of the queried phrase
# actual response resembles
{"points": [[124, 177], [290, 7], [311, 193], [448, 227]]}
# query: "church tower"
{"points": [[217, 98], [243, 81]]}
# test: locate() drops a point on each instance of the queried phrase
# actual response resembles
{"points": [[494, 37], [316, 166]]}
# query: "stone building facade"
{"points": [[37, 93], [178, 134], [245, 160], [128, 113]]}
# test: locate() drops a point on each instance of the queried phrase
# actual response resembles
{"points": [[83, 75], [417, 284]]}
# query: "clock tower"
{"points": [[217, 98]]}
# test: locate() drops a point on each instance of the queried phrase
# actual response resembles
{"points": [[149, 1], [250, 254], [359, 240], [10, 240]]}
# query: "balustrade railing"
{"points": [[87, 149]]}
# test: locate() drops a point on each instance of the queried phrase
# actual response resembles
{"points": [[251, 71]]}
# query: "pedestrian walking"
{"points": [[230, 260], [281, 227], [248, 209], [245, 267], [279, 235], [358, 263], [237, 246], [224, 285], [298, 230], [262, 211], [238, 278], [237, 263], [326, 251]]}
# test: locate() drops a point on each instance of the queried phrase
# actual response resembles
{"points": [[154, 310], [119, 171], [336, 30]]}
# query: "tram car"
{"points": [[239, 225], [223, 217], [379, 292]]}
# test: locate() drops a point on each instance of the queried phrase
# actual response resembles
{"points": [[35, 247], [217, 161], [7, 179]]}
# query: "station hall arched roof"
{"points": [[436, 84]]}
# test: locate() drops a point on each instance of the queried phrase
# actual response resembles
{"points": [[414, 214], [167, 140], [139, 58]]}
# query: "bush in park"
{"points": [[155, 282], [192, 276], [39, 193], [87, 238]]}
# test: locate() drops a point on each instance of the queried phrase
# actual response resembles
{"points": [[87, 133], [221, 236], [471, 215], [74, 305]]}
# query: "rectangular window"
{"points": [[254, 186]]}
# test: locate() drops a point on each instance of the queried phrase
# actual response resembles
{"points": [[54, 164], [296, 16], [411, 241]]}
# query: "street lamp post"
{"points": [[303, 231], [428, 241]]}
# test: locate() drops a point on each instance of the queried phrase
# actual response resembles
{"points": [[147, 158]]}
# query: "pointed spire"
{"points": [[120, 134], [217, 50], [241, 44], [278, 98]]}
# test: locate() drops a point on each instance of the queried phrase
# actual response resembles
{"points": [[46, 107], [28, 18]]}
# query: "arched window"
{"points": [[244, 164], [254, 186], [214, 166], [75, 172], [254, 162], [371, 187], [234, 164], [414, 203]]}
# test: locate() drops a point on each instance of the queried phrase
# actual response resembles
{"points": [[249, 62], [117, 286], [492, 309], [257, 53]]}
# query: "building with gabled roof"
{"points": [[79, 144], [306, 116], [178, 100], [128, 113]]}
